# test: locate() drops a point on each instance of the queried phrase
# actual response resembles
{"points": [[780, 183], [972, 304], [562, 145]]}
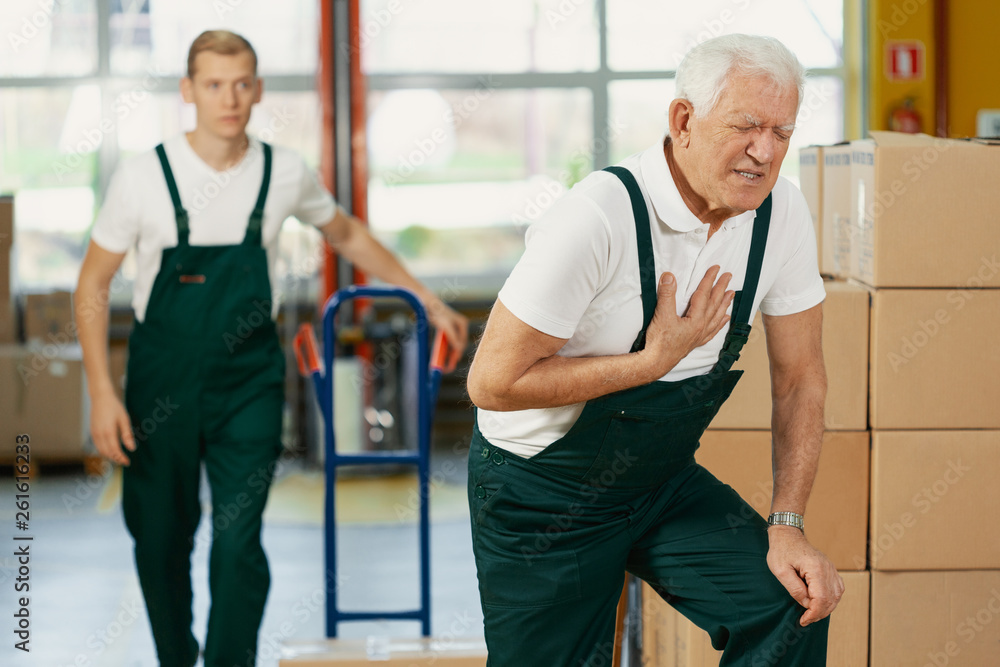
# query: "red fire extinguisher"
{"points": [[905, 118]]}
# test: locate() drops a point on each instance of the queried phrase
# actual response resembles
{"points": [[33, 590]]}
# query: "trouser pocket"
{"points": [[520, 584]]}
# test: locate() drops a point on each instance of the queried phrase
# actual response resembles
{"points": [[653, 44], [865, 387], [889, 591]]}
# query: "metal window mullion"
{"points": [[107, 156], [602, 150], [343, 158]]}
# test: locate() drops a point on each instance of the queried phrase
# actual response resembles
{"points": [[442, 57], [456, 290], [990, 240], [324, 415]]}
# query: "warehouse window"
{"points": [[477, 121], [86, 82]]}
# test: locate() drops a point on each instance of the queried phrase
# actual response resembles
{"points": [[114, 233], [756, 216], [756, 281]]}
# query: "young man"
{"points": [[606, 357], [202, 388]]}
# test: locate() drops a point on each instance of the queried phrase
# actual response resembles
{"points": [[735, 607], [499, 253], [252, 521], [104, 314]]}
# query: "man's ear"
{"points": [[680, 114], [259, 85], [187, 89]]}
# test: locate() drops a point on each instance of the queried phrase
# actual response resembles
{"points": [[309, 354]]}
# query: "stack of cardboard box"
{"points": [[926, 243], [908, 228], [42, 389]]}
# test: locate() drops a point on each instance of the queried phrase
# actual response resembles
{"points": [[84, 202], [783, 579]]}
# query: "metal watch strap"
{"points": [[787, 519]]}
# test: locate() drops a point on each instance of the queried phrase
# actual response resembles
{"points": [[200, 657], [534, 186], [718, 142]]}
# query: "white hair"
{"points": [[705, 71]]}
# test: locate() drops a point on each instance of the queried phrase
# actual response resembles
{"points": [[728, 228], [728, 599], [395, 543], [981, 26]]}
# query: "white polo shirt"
{"points": [[579, 277], [137, 210]]}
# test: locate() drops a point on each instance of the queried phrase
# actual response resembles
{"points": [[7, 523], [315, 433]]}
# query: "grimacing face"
{"points": [[735, 152], [223, 90]]}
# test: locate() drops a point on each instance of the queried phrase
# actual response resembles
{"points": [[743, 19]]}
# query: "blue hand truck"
{"points": [[429, 380]]}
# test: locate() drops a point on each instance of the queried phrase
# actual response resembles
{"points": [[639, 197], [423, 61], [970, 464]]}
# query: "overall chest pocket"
{"points": [[644, 446]]}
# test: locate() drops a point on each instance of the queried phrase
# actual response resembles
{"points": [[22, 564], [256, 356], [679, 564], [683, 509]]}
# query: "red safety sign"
{"points": [[905, 61]]}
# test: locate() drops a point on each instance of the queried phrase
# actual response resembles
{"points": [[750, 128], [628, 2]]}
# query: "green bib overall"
{"points": [[205, 385], [554, 534]]}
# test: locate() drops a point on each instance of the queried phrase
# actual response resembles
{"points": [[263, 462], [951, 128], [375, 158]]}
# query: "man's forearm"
{"points": [[364, 250], [559, 381], [91, 317], [796, 441]]}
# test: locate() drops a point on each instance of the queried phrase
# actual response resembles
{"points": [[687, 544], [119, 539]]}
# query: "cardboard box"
{"points": [[43, 395], [48, 317], [845, 348], [6, 223], [385, 652], [671, 640], [934, 359], [929, 208], [921, 619], [935, 501], [837, 515], [811, 184], [7, 320], [837, 211]]}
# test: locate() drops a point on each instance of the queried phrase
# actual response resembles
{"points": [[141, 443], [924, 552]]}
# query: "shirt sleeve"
{"points": [[315, 206], [116, 228], [798, 286], [563, 267]]}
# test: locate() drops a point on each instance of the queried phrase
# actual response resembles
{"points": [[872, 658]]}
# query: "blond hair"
{"points": [[224, 43]]}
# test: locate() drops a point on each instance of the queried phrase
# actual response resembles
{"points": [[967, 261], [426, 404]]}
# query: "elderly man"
{"points": [[606, 356]]}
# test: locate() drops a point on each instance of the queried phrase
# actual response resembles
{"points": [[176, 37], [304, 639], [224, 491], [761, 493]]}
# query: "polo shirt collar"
{"points": [[668, 204]]}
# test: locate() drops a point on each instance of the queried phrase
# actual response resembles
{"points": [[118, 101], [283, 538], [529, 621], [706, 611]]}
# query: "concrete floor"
{"points": [[85, 604]]}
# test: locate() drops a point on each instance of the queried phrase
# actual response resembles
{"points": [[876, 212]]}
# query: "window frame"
{"points": [[597, 81]]}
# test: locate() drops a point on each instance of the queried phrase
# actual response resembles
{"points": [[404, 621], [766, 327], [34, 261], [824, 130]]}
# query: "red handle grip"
{"points": [[439, 353], [305, 339]]}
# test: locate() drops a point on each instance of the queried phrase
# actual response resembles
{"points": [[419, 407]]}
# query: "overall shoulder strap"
{"points": [[644, 244], [761, 224], [180, 215], [739, 326], [253, 235]]}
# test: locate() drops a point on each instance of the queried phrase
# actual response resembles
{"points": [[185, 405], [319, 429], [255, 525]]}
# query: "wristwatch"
{"points": [[786, 519]]}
